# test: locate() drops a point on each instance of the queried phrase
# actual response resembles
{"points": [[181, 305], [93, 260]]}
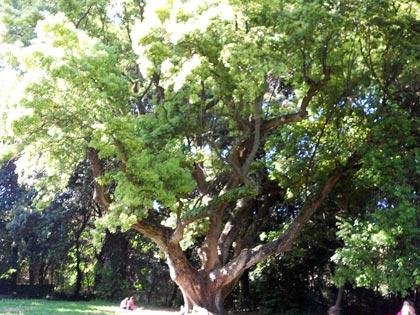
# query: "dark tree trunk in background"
{"points": [[111, 270], [78, 245], [152, 285], [246, 299], [13, 263], [42, 272], [79, 273], [170, 301], [32, 273]]}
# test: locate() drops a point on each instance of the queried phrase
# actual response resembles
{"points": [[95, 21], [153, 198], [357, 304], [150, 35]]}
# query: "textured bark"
{"points": [[200, 289], [202, 295], [100, 194]]}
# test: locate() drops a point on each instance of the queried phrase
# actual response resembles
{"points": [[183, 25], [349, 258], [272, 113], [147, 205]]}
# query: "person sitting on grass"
{"points": [[407, 309], [124, 303], [131, 304]]}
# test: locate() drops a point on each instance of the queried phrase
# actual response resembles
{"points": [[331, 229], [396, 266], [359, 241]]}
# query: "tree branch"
{"points": [[256, 142], [208, 252], [232, 227], [249, 257], [200, 177], [156, 232], [274, 123], [84, 16], [100, 194], [314, 87]]}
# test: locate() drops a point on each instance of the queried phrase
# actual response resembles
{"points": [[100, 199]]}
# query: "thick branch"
{"points": [[157, 233], [251, 232], [249, 257], [100, 194], [180, 268], [271, 194], [232, 227], [178, 233], [314, 87], [257, 138], [200, 177], [208, 252]]}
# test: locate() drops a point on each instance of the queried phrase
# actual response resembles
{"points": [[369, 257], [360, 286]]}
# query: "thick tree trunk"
{"points": [[202, 297], [111, 267], [202, 290], [42, 273]]}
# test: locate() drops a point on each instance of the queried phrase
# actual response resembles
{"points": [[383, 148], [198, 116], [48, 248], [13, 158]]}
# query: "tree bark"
{"points": [[336, 309]]}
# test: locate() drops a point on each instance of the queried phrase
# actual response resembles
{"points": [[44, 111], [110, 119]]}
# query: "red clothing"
{"points": [[131, 304]]}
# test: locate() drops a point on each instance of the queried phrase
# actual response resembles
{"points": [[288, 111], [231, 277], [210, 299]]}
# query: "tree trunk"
{"points": [[79, 273], [203, 291], [246, 299], [202, 297], [32, 273], [336, 309], [111, 268], [152, 286], [42, 273], [13, 263]]}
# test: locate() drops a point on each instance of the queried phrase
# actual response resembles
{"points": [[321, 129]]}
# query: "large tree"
{"points": [[203, 119]]}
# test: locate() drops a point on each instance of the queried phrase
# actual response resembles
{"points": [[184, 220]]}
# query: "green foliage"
{"points": [[111, 286], [380, 249], [159, 88], [8, 274], [380, 233]]}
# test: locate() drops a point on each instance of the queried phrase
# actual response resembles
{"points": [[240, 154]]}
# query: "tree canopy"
{"points": [[204, 121]]}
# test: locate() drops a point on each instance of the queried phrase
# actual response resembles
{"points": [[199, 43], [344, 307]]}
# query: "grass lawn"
{"points": [[44, 307]]}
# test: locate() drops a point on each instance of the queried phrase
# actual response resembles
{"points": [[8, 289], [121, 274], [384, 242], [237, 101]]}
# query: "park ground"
{"points": [[44, 307]]}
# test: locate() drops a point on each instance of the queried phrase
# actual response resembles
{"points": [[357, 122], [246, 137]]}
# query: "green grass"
{"points": [[44, 307]]}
